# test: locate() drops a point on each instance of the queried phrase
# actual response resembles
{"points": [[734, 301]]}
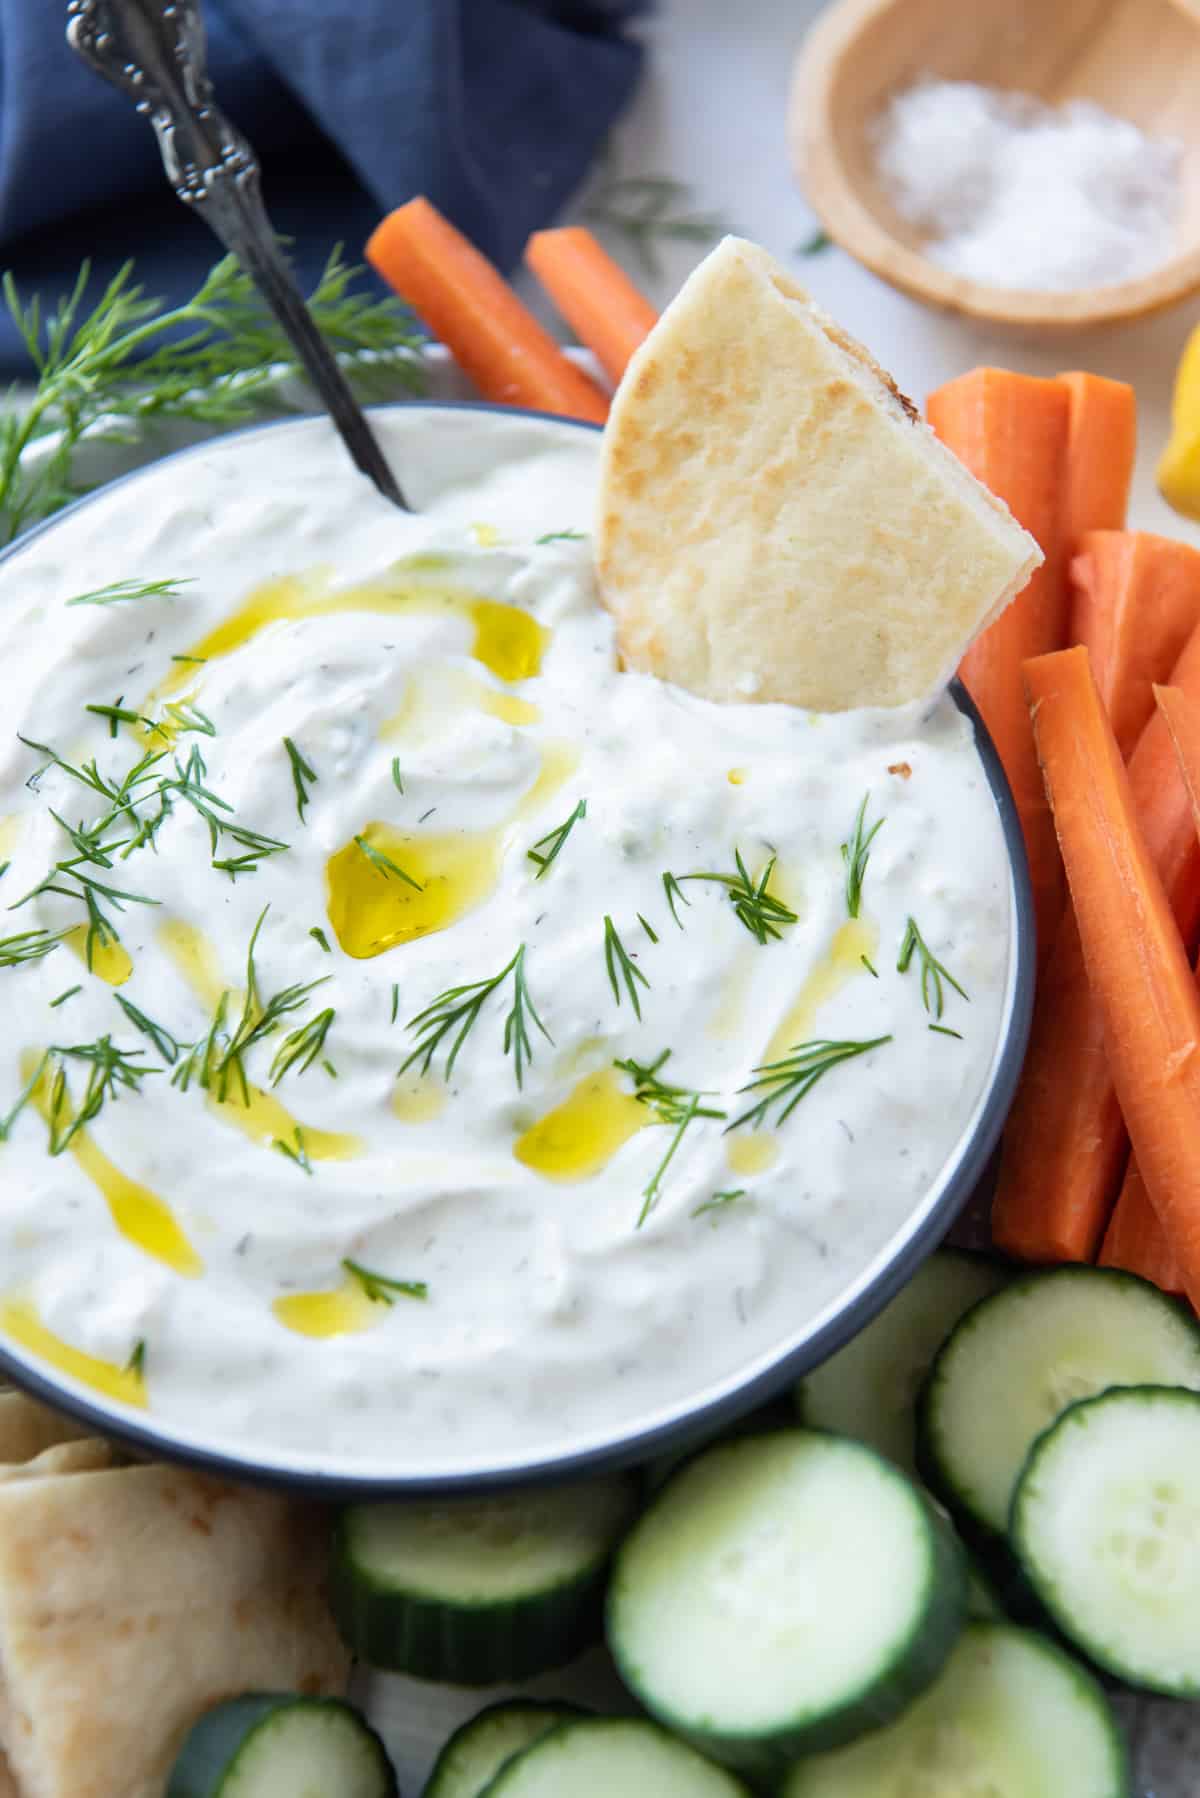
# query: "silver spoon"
{"points": [[155, 51]]}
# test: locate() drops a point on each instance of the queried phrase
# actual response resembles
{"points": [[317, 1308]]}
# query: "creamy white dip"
{"points": [[173, 1253]]}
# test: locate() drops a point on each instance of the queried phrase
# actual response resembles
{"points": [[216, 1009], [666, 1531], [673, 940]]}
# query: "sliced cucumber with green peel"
{"points": [[475, 1753], [1106, 1525], [1011, 1717], [784, 1593], [478, 1591], [1019, 1358], [869, 1388], [282, 1745], [612, 1757]]}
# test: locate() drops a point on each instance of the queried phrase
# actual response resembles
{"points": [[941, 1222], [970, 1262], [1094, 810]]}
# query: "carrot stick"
{"points": [[1101, 441], [1135, 956], [468, 305], [1134, 1239], [1065, 1142], [594, 295], [1135, 603], [1011, 431]]}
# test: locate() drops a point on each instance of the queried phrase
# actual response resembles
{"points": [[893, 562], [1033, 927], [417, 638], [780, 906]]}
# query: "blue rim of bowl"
{"points": [[705, 1419]]}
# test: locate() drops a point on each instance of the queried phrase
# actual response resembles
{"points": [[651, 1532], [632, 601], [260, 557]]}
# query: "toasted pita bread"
{"points": [[133, 1599], [26, 1428], [775, 522]]}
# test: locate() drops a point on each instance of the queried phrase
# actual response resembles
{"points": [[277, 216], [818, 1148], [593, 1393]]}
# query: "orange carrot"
{"points": [[1065, 1142], [1135, 955], [1135, 603], [594, 295], [468, 305], [1011, 431], [1135, 1240], [1101, 440]]}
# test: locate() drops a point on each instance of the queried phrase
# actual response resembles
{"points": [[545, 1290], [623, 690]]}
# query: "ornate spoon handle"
{"points": [[155, 51]]}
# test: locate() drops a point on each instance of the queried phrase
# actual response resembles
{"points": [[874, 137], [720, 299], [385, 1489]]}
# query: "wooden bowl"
{"points": [[1139, 59]]}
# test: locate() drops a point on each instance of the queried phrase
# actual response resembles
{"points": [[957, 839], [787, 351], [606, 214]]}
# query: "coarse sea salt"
{"points": [[1013, 193]]}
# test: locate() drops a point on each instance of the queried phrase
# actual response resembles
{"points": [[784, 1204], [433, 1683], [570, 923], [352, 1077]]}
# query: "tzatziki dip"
{"points": [[423, 1045]]}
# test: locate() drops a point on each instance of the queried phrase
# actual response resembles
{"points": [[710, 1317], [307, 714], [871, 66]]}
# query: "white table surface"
{"points": [[711, 112]]}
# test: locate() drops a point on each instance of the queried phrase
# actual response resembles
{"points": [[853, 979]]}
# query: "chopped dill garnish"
{"points": [[677, 1105], [119, 591], [63, 997], [793, 1077], [302, 1046], [302, 771], [674, 891], [294, 1150], [856, 854], [116, 713], [648, 928], [459, 1008], [760, 911], [933, 972], [385, 865], [28, 945], [188, 717], [621, 966], [162, 1039], [646, 209], [944, 1030], [397, 775], [814, 245], [196, 661], [546, 848], [136, 1363], [318, 936], [330, 1069], [380, 1289], [395, 1001], [869, 965], [109, 1069], [560, 537], [720, 1199]]}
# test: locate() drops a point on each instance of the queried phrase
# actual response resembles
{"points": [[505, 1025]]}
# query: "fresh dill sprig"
{"points": [[674, 891], [719, 1200], [302, 1046], [648, 928], [385, 865], [185, 716], [109, 1070], [560, 537], [302, 771], [380, 1289], [318, 936], [162, 1039], [395, 1001], [869, 965], [792, 1078], [63, 997], [116, 714], [547, 848], [856, 854], [620, 963], [100, 372], [944, 1030], [458, 1008], [813, 246], [23, 1098], [674, 1105], [120, 592], [397, 774], [296, 1150], [760, 911], [933, 972], [29, 945], [644, 210], [136, 1363]]}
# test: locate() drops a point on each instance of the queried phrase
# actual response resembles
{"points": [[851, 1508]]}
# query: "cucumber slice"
{"points": [[475, 1753], [1011, 1717], [869, 1389], [1021, 1357], [280, 1745], [478, 1591], [781, 1594], [1105, 1522], [607, 1756]]}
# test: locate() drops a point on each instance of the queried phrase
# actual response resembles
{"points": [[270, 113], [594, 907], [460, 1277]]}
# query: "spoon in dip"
{"points": [[155, 51]]}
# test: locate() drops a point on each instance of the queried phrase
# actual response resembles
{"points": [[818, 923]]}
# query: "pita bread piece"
{"points": [[27, 1428], [134, 1599], [775, 522]]}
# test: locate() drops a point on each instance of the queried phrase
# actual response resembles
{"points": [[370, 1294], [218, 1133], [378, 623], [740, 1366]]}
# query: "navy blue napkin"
{"points": [[492, 108]]}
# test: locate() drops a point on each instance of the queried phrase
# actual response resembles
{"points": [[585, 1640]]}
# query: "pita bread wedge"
{"points": [[133, 1599], [775, 522], [26, 1428]]}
